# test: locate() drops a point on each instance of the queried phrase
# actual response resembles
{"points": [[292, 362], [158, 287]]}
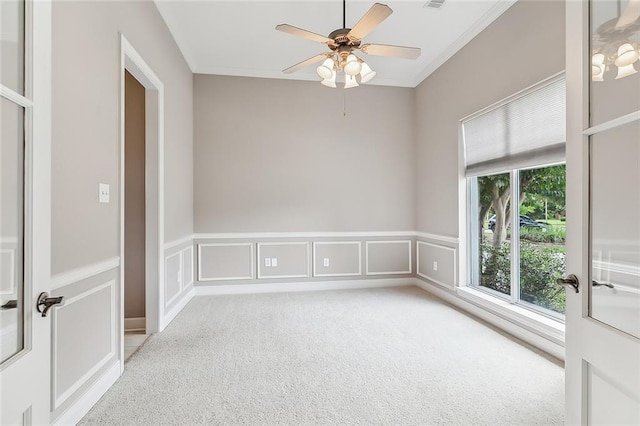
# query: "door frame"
{"points": [[133, 62]]}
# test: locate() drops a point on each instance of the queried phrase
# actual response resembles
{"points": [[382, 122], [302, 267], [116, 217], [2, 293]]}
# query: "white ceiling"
{"points": [[239, 37]]}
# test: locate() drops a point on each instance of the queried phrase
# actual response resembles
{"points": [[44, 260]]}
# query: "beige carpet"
{"points": [[369, 357]]}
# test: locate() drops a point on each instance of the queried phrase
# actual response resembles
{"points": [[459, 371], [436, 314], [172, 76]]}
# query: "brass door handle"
{"points": [[45, 303]]}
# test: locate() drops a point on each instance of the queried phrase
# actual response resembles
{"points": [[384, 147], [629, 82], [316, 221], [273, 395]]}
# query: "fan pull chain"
{"points": [[344, 107]]}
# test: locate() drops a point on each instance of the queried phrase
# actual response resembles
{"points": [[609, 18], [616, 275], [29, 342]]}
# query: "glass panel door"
{"points": [[12, 39], [615, 59], [615, 227], [615, 164], [11, 228], [13, 112]]}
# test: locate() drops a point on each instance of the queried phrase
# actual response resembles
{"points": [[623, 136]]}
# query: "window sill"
{"points": [[539, 324]]}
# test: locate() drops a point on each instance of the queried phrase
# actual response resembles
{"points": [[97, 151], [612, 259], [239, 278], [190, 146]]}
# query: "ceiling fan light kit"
{"points": [[330, 82], [343, 42]]}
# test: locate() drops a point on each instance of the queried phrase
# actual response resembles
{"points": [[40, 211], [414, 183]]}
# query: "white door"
{"points": [[24, 210], [603, 209]]}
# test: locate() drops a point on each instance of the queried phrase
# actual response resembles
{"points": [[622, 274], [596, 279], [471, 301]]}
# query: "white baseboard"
{"points": [[509, 327], [77, 411], [135, 324], [211, 290], [179, 306]]}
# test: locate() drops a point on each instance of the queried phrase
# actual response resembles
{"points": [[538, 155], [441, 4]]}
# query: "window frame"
{"points": [[514, 297], [538, 320]]}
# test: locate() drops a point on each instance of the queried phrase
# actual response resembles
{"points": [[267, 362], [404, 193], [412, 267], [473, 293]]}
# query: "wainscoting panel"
{"points": [[291, 260], [388, 257], [225, 261], [337, 258], [83, 338], [187, 267], [178, 278], [437, 263], [172, 277]]}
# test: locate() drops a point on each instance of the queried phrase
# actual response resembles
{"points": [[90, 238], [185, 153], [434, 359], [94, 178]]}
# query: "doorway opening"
{"points": [[141, 198], [134, 215]]}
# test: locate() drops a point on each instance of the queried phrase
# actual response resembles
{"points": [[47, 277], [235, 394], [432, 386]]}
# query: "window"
{"points": [[516, 197]]}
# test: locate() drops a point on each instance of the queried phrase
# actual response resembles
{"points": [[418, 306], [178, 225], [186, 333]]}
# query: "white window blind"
{"points": [[525, 132]]}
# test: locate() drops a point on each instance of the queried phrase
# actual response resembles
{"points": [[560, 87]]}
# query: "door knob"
{"points": [[571, 280], [45, 302]]}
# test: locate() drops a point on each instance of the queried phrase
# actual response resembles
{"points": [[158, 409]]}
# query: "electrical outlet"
{"points": [[267, 262], [435, 265], [325, 262], [274, 262], [103, 192]]}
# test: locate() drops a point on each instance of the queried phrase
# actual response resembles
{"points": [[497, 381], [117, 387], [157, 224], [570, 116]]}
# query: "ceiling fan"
{"points": [[343, 42]]}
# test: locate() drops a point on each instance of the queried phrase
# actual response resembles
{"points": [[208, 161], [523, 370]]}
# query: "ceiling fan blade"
{"points": [[378, 13], [393, 51], [306, 63], [630, 14], [290, 29]]}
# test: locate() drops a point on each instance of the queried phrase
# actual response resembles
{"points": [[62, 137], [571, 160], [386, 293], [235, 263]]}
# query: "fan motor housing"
{"points": [[341, 39]]}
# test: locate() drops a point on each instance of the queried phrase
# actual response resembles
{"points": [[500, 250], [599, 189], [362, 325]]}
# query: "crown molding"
{"points": [[486, 20]]}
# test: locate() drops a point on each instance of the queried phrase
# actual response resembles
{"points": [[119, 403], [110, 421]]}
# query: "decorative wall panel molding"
{"points": [[79, 349], [291, 260], [225, 261], [343, 258], [187, 267], [388, 257], [172, 277], [437, 263]]}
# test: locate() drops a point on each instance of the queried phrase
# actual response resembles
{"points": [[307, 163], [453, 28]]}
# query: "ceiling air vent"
{"points": [[435, 4]]}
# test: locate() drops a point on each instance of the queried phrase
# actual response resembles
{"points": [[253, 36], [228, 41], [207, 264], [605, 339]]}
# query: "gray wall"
{"points": [[522, 47], [279, 155], [134, 199], [86, 120]]}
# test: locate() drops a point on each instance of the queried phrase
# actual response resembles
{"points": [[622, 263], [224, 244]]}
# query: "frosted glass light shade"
{"points": [[326, 69], [597, 67], [330, 82], [350, 81], [367, 73], [353, 66], [625, 71], [627, 55]]}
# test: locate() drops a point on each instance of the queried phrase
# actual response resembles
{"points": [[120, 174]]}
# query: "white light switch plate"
{"points": [[325, 262], [267, 262], [435, 265], [103, 189], [274, 261]]}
